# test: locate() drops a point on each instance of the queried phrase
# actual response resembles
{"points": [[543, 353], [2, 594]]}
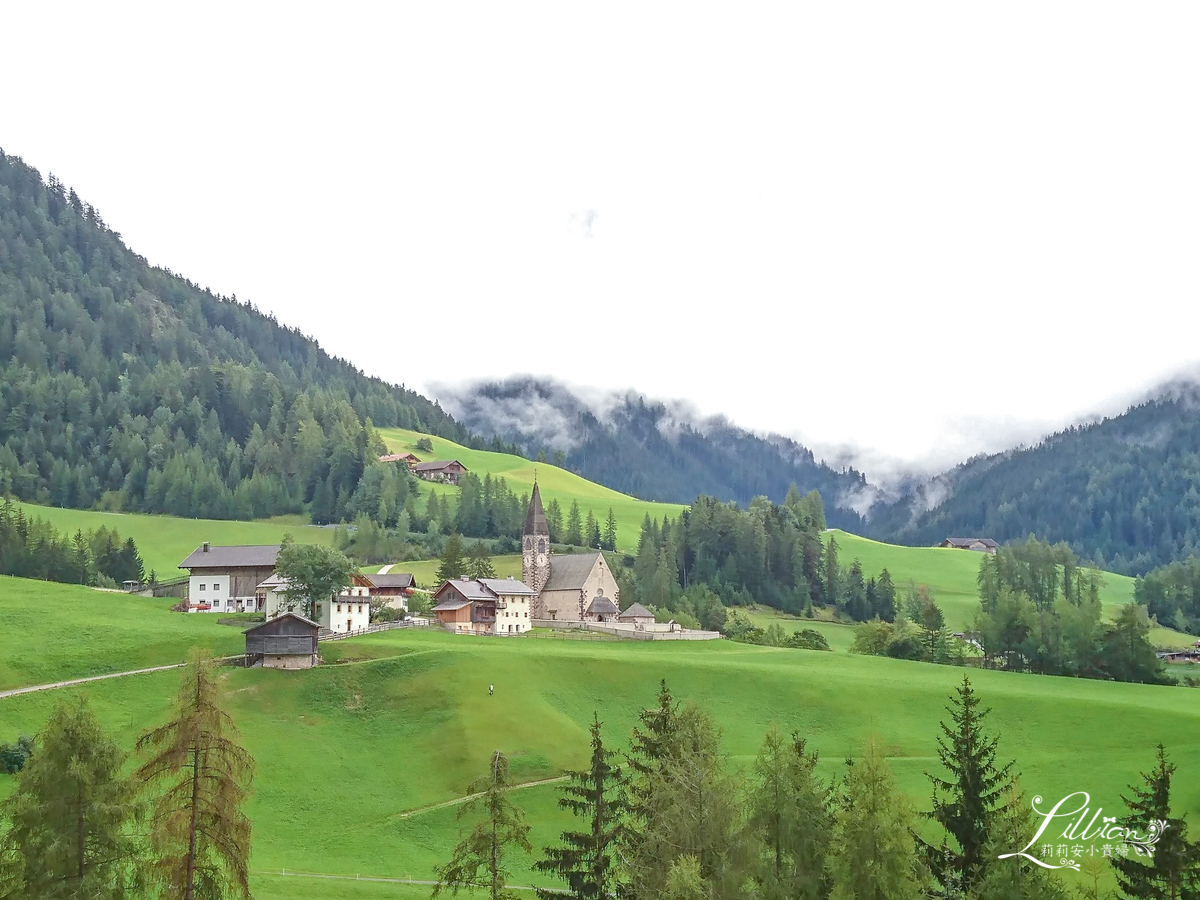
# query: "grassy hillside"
{"points": [[414, 725], [556, 484], [951, 574], [165, 541], [54, 632]]}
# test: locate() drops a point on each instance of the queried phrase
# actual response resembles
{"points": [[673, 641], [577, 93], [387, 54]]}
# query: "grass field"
{"points": [[413, 726], [164, 541], [556, 484], [405, 721]]}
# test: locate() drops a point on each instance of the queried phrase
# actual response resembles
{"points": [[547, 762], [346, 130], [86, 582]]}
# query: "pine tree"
{"points": [[874, 855], [1014, 878], [480, 859], [199, 835], [479, 563], [452, 565], [554, 521], [591, 531], [965, 804], [790, 810], [610, 531], [587, 864], [832, 577], [69, 814], [885, 597], [574, 535], [1173, 872]]}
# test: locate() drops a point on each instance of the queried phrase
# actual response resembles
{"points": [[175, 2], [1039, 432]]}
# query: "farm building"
{"points": [[392, 589], [224, 579], [348, 611], [406, 458], [980, 545], [566, 586], [446, 470], [637, 615], [484, 606], [285, 642]]}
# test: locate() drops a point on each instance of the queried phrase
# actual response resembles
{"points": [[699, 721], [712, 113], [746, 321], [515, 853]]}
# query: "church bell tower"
{"points": [[535, 546]]}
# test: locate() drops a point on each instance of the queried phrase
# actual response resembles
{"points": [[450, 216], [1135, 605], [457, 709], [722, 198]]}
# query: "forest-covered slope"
{"points": [[126, 386], [649, 450], [1124, 492]]}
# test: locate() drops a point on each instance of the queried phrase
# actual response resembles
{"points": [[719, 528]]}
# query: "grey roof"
{"points": [[637, 611], [602, 606], [472, 590], [392, 580], [535, 519], [508, 586], [276, 581], [967, 542], [570, 571], [283, 616], [435, 465], [451, 605], [232, 557]]}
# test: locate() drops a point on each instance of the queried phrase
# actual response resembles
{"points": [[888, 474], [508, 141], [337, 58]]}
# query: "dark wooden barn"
{"points": [[288, 641]]}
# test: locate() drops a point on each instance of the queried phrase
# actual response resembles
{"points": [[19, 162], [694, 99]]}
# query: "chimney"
{"points": [[206, 546]]}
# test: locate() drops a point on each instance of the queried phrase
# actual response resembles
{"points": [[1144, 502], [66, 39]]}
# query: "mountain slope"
{"points": [[1124, 491], [126, 386], [650, 450]]}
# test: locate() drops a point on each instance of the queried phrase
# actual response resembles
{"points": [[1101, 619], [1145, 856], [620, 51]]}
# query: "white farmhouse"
{"points": [[223, 579], [348, 611]]}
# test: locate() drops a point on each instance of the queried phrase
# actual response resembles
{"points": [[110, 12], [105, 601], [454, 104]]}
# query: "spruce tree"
{"points": [[587, 862], [591, 531], [1173, 872], [610, 531], [574, 535], [452, 565], [874, 856], [965, 803], [479, 862], [69, 815], [790, 811], [199, 835], [1014, 878], [832, 576], [479, 563]]}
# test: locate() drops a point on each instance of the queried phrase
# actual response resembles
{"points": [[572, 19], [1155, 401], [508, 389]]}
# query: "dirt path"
{"points": [[377, 878], [74, 681], [458, 800], [386, 569]]}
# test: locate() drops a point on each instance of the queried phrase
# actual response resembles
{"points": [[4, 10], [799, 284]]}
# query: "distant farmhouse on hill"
{"points": [[407, 458], [980, 545], [445, 470], [225, 579]]}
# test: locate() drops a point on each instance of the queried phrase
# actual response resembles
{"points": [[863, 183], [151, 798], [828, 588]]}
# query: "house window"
{"points": [[216, 585], [203, 586], [339, 607], [317, 610]]}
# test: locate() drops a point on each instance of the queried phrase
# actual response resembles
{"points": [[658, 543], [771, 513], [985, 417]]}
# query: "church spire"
{"points": [[535, 519]]}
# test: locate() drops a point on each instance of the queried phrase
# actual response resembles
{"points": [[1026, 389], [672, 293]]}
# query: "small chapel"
{"points": [[569, 587]]}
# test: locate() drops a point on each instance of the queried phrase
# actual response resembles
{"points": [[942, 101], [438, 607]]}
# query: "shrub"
{"points": [[13, 756], [807, 639]]}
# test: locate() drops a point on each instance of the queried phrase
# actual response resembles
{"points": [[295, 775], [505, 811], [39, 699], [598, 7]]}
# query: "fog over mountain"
{"points": [[654, 449]]}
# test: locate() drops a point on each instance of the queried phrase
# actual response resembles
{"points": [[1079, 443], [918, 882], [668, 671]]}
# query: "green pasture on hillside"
{"points": [[343, 751], [556, 484], [165, 541]]}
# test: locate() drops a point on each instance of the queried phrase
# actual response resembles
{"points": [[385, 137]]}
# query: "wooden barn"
{"points": [[448, 471], [288, 641]]}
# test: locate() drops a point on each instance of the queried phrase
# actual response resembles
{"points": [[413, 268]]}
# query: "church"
{"points": [[572, 587]]}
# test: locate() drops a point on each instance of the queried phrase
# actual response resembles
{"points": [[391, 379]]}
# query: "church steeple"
{"points": [[535, 545]]}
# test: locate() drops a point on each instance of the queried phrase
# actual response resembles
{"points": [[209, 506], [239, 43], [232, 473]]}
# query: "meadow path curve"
{"points": [[73, 681]]}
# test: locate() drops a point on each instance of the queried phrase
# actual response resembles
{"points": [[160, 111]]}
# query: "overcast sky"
{"points": [[922, 230]]}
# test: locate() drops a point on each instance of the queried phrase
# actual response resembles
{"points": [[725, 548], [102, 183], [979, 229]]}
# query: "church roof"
{"points": [[569, 571], [535, 520]]}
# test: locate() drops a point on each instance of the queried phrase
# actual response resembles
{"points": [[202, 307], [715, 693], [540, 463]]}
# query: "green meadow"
{"points": [[350, 754], [165, 541], [556, 484]]}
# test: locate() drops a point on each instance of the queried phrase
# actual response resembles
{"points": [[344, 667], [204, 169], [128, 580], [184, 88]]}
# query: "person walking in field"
{"points": [[491, 687]]}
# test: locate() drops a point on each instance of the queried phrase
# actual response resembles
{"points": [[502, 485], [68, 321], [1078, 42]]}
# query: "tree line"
{"points": [[80, 824], [674, 820], [1171, 594], [31, 547]]}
